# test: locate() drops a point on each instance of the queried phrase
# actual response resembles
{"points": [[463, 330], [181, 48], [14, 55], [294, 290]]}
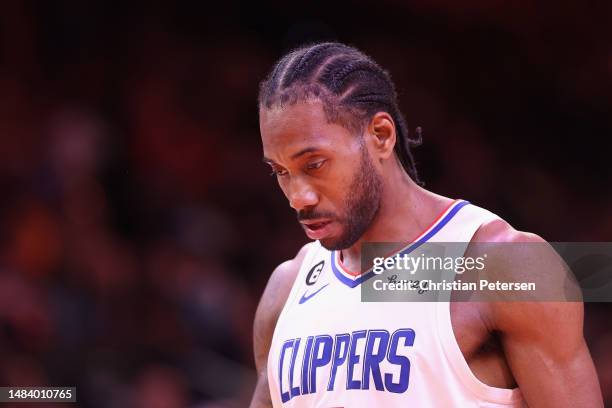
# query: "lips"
{"points": [[317, 229]]}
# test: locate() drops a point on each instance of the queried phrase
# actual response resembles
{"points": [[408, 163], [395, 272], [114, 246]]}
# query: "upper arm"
{"points": [[271, 304], [547, 354], [543, 341]]}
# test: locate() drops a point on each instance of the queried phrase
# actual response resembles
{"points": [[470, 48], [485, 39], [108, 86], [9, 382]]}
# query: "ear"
{"points": [[382, 132]]}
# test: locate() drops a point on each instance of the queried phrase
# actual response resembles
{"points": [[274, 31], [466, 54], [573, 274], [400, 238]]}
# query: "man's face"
{"points": [[324, 170]]}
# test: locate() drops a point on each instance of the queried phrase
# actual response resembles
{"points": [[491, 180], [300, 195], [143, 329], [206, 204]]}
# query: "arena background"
{"points": [[139, 225]]}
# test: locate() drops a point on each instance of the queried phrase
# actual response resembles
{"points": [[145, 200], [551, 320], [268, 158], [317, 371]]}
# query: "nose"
{"points": [[302, 195]]}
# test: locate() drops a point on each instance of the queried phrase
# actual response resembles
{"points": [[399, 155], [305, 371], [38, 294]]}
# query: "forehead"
{"points": [[301, 125]]}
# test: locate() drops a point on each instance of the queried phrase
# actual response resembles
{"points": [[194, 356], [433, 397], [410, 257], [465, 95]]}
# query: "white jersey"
{"points": [[330, 349]]}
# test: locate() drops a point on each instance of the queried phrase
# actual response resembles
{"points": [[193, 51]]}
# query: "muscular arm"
{"points": [[547, 354], [271, 303], [543, 341]]}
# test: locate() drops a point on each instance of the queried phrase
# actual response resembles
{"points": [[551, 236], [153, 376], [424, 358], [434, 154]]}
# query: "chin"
{"points": [[330, 244], [336, 244]]}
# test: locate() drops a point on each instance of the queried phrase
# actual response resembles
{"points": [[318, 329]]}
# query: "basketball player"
{"points": [[339, 148]]}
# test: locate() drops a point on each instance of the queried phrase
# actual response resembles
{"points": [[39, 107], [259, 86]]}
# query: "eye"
{"points": [[278, 171], [315, 165]]}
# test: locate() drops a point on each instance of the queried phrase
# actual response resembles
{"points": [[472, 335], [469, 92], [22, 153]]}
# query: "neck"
{"points": [[406, 210]]}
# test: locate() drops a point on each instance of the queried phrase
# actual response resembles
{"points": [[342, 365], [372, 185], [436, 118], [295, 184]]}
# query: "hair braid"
{"points": [[351, 86]]}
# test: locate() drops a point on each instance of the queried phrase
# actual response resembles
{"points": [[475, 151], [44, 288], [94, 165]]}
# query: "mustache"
{"points": [[313, 215]]}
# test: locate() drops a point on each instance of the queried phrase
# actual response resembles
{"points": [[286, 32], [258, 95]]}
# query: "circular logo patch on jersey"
{"points": [[314, 273]]}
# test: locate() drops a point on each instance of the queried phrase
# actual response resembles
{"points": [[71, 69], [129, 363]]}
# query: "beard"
{"points": [[360, 206]]}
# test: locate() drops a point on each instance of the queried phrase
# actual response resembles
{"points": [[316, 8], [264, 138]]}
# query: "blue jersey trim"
{"points": [[365, 276]]}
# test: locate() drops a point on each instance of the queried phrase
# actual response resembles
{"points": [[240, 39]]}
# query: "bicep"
{"points": [[546, 351], [262, 338], [263, 329], [261, 396], [543, 341], [269, 308]]}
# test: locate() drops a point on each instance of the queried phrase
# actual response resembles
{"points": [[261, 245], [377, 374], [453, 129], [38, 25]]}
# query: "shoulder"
{"points": [[513, 254], [509, 249], [281, 280], [518, 256], [542, 339], [498, 230], [272, 302]]}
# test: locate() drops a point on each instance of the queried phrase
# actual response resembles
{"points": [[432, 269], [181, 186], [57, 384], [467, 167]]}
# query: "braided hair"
{"points": [[350, 85]]}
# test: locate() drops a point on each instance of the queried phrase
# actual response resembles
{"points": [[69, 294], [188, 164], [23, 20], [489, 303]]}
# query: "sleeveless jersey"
{"points": [[330, 349]]}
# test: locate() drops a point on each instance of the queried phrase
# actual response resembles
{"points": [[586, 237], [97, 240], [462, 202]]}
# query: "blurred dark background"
{"points": [[138, 225]]}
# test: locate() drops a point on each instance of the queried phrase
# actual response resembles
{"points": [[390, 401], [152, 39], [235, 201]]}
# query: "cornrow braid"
{"points": [[351, 86], [309, 60]]}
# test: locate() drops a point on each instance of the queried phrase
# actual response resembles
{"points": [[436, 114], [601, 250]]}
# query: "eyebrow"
{"points": [[295, 155]]}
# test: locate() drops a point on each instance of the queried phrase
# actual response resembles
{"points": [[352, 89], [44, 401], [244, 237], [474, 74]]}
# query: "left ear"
{"points": [[382, 132]]}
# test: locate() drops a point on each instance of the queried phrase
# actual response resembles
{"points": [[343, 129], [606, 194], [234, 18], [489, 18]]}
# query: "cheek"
{"points": [[344, 181], [333, 196], [338, 183], [284, 185]]}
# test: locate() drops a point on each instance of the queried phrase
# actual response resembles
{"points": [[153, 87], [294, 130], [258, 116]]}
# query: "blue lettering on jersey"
{"points": [[360, 354], [306, 366], [341, 346], [407, 335], [373, 358], [286, 345], [353, 359], [294, 391], [323, 346]]}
